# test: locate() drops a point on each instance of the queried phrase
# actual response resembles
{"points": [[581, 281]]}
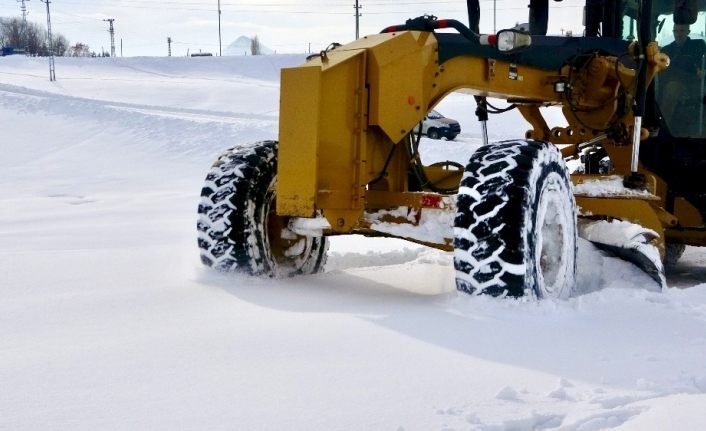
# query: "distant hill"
{"points": [[241, 46]]}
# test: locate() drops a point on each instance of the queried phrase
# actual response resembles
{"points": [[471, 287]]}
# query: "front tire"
{"points": [[238, 229], [515, 227]]}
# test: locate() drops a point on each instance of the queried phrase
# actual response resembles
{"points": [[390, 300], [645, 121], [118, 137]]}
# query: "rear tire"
{"points": [[238, 229], [515, 227], [433, 134]]}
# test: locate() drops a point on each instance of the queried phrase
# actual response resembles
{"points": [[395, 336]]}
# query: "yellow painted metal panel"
{"points": [[400, 72], [511, 81], [300, 100], [687, 214], [322, 105], [341, 132]]}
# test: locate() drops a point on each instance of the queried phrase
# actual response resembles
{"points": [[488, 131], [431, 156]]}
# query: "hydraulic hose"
{"points": [[430, 23]]}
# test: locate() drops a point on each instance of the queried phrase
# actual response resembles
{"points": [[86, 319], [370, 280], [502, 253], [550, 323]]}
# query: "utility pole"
{"points": [[220, 47], [23, 36], [111, 30], [52, 72], [357, 19], [495, 13], [169, 46]]}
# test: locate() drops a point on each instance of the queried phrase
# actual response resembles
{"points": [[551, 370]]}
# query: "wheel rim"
{"points": [[287, 251], [554, 240]]}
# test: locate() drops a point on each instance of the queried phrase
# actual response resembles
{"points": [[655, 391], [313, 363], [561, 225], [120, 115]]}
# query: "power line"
{"points": [[242, 7], [249, 7], [375, 10], [192, 43]]}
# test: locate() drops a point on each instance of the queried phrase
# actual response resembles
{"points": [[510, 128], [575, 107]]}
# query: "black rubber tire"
{"points": [[237, 227], [451, 137], [673, 252], [515, 227], [433, 134]]}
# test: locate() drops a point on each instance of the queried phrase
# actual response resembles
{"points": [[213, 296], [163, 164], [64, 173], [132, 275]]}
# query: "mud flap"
{"points": [[627, 241]]}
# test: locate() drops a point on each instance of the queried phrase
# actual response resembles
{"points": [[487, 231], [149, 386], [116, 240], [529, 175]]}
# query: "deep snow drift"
{"points": [[108, 320]]}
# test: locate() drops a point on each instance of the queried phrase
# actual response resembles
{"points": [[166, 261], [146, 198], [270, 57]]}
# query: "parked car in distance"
{"points": [[436, 126], [9, 50]]}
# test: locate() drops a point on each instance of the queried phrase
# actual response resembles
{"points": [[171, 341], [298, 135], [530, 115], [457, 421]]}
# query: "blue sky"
{"points": [[283, 25]]}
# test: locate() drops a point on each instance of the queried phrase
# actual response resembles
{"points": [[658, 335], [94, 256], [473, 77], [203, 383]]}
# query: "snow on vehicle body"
{"points": [[348, 153]]}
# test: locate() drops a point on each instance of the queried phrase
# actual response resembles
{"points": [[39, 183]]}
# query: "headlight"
{"points": [[512, 40]]}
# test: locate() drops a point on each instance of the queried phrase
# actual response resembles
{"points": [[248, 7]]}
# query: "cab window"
{"points": [[680, 88]]}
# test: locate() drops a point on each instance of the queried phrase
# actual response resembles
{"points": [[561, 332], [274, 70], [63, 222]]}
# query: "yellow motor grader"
{"points": [[348, 162]]}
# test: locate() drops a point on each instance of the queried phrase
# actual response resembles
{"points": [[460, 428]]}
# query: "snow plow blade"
{"points": [[627, 241]]}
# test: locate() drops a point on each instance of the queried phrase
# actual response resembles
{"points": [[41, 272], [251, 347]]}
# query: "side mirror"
{"points": [[512, 40]]}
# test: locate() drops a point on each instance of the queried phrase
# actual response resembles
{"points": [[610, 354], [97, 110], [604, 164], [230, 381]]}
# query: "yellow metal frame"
{"points": [[345, 115]]}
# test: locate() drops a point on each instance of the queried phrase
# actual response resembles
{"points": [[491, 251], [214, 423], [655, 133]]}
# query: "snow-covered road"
{"points": [[109, 321]]}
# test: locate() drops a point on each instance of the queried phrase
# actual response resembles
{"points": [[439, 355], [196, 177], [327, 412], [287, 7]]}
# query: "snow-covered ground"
{"points": [[109, 321]]}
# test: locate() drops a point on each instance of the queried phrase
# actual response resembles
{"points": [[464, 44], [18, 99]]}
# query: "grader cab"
{"points": [[348, 158]]}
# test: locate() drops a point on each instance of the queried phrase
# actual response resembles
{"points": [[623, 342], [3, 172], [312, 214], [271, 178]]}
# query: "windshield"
{"points": [[433, 115], [680, 88]]}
